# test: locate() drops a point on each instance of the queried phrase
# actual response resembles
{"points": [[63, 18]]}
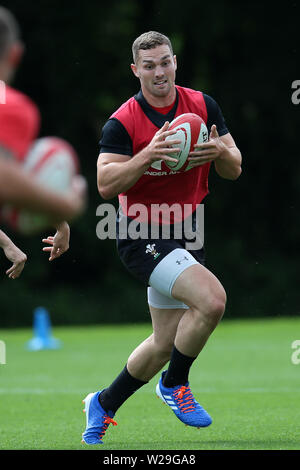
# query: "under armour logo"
{"points": [[179, 261]]}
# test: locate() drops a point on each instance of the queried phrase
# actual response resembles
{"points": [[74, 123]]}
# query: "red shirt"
{"points": [[19, 123], [159, 184]]}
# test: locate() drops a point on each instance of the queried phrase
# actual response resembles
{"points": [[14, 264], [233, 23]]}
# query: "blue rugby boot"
{"points": [[180, 399], [97, 420]]}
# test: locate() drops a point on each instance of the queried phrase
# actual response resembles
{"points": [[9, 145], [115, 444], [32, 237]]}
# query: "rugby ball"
{"points": [[190, 130], [53, 163]]}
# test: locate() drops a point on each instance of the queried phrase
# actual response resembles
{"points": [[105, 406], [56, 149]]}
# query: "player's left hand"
{"points": [[207, 151], [59, 244]]}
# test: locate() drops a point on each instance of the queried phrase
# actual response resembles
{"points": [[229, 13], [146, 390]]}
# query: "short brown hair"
{"points": [[149, 40], [9, 30]]}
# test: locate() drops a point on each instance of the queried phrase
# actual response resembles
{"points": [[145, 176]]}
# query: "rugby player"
{"points": [[186, 300], [19, 127]]}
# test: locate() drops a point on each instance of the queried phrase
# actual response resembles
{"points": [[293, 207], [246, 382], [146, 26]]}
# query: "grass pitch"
{"points": [[244, 377]]}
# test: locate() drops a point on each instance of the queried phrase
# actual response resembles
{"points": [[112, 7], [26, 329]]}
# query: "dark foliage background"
{"points": [[244, 54]]}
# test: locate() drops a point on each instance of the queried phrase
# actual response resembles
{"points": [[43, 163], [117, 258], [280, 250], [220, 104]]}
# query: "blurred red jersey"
{"points": [[19, 123]]}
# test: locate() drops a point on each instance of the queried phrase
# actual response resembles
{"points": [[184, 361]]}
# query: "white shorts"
{"points": [[158, 300], [164, 276]]}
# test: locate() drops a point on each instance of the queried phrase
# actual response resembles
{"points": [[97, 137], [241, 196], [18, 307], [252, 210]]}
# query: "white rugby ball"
{"points": [[190, 130], [53, 162]]}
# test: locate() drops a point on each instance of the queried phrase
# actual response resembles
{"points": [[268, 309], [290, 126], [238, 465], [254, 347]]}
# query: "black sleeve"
{"points": [[214, 115], [115, 139]]}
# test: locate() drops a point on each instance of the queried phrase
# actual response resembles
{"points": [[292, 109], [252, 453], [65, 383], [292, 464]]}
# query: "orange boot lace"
{"points": [[106, 421], [184, 399]]}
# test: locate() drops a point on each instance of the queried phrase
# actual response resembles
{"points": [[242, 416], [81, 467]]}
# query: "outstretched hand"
{"points": [[17, 257], [59, 243]]}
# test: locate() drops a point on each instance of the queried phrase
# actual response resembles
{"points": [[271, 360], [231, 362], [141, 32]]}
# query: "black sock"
{"points": [[122, 388], [178, 371]]}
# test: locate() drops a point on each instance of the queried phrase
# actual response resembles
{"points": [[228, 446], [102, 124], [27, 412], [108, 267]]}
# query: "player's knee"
{"points": [[217, 306], [212, 308]]}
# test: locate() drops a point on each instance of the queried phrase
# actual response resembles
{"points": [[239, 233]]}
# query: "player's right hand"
{"points": [[159, 148]]}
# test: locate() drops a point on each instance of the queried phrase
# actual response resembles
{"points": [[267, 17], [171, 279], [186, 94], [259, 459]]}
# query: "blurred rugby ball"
{"points": [[190, 130], [53, 162]]}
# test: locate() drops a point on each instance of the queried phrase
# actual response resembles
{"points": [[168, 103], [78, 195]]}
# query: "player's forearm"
{"points": [[19, 190], [4, 240], [228, 165], [119, 176]]}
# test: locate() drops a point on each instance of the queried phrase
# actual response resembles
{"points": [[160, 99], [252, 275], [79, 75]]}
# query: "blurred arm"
{"points": [[21, 191]]}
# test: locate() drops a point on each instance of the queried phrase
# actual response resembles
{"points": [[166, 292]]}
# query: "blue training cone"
{"points": [[42, 332]]}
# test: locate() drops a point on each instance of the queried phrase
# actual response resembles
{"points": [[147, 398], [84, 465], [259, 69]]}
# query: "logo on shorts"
{"points": [[150, 249], [179, 261]]}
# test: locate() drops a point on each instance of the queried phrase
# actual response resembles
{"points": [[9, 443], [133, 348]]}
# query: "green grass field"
{"points": [[244, 378]]}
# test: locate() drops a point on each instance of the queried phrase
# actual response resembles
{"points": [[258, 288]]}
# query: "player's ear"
{"points": [[134, 70], [175, 61], [15, 54]]}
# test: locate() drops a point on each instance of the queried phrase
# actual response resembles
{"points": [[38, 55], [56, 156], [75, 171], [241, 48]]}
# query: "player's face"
{"points": [[156, 69]]}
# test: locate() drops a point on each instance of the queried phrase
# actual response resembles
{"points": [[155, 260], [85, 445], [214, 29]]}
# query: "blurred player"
{"points": [[186, 300], [19, 126]]}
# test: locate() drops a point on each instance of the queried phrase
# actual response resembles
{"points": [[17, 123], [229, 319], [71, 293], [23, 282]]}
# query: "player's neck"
{"points": [[160, 101]]}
